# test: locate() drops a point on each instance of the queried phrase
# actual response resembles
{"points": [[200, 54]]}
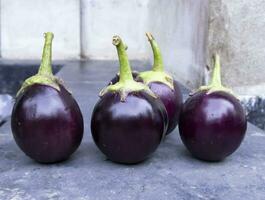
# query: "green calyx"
{"points": [[216, 84], [44, 75], [126, 83], [157, 74]]}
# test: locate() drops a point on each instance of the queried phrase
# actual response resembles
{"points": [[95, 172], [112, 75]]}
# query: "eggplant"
{"points": [[163, 85], [213, 122], [128, 122], [116, 78], [46, 121]]}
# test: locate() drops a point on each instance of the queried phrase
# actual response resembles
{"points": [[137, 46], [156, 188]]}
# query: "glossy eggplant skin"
{"points": [[116, 78], [47, 124], [172, 100], [212, 126], [128, 132]]}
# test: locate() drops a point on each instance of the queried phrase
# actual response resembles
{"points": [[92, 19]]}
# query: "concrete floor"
{"points": [[171, 173]]}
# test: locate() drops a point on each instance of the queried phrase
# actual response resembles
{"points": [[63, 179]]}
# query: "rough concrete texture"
{"points": [[255, 109], [236, 31], [23, 23], [6, 104], [171, 173]]}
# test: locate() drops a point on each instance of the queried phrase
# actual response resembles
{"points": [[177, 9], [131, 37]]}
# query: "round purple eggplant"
{"points": [[128, 122], [46, 121], [163, 85], [212, 122]]}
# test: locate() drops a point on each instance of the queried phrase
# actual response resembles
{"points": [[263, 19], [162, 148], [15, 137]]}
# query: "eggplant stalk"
{"points": [[216, 83], [44, 75], [46, 67], [157, 74], [126, 83]]}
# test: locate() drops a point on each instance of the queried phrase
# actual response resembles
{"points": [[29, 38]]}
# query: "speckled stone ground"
{"points": [[255, 107], [171, 173]]}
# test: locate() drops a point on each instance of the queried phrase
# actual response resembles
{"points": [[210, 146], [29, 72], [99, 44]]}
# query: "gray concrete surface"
{"points": [[6, 104], [171, 173], [255, 109], [236, 31]]}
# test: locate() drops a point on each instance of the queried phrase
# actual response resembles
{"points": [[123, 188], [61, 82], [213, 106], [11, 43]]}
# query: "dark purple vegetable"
{"points": [[46, 122], [163, 85], [212, 123], [117, 77], [128, 122]]}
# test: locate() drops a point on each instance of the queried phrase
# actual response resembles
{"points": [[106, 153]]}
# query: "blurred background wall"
{"points": [[188, 32], [23, 23], [83, 29], [237, 31]]}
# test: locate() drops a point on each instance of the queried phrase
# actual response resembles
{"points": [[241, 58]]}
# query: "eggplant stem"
{"points": [[215, 84], [158, 61], [216, 77], [157, 74], [125, 68], [44, 75], [126, 83], [46, 67]]}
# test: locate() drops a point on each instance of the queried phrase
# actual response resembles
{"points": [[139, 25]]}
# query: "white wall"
{"points": [[103, 19], [181, 27], [85, 28], [23, 23]]}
